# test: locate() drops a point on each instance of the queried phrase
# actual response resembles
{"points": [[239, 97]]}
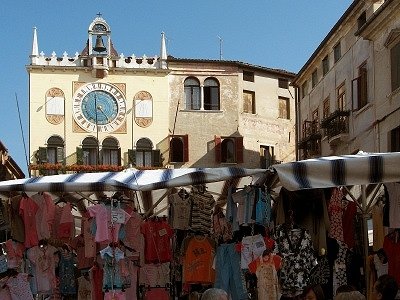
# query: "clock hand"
{"points": [[101, 109]]}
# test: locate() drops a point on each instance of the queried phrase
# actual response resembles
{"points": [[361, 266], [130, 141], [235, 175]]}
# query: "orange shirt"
{"points": [[198, 260]]}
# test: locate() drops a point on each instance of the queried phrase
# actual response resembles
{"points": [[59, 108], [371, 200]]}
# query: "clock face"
{"points": [[99, 107]]}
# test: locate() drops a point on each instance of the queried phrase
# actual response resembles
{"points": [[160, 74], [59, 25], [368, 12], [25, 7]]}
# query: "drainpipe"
{"points": [[297, 115]]}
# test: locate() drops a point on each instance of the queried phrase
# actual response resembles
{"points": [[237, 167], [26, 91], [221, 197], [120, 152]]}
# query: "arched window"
{"points": [[110, 152], [228, 149], [55, 150], [179, 148], [192, 94], [211, 94], [144, 152], [90, 151]]}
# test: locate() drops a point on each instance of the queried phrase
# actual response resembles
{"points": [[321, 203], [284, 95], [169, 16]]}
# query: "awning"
{"points": [[138, 180], [360, 169]]}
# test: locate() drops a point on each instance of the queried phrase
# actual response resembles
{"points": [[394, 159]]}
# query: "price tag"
{"points": [[162, 232], [118, 216]]}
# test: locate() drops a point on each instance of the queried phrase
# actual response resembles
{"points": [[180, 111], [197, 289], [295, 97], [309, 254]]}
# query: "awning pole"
{"points": [[365, 229]]}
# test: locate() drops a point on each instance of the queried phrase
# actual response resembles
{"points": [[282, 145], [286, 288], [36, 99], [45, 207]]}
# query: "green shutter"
{"points": [[42, 155], [79, 155], [60, 155], [132, 157], [157, 158]]}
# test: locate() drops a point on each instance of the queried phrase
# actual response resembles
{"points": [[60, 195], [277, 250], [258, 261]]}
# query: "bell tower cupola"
{"points": [[100, 48]]}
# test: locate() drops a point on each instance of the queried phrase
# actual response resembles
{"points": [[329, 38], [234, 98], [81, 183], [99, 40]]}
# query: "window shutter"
{"points": [[60, 154], [239, 149], [42, 155], [132, 157], [79, 155], [119, 156], [217, 140], [156, 158], [355, 90], [185, 148]]}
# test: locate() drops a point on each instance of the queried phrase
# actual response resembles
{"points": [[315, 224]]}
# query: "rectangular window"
{"points": [[249, 105], [304, 89], [284, 109], [362, 19], [325, 65], [337, 52], [395, 66], [360, 88], [326, 108], [395, 140], [314, 78], [248, 76], [283, 83], [341, 97], [110, 157], [267, 156]]}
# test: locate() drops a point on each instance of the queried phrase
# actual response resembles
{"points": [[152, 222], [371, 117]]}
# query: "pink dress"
{"points": [[15, 253]]}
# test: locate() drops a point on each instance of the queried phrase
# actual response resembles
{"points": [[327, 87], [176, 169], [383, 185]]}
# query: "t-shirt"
{"points": [[28, 209], [78, 243], [107, 231], [198, 260], [391, 245], [157, 236], [393, 189], [180, 210], [45, 214]]}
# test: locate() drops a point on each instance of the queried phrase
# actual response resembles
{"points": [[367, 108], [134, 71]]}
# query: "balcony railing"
{"points": [[336, 123]]}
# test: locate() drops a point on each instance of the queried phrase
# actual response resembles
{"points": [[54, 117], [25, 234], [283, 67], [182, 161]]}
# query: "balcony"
{"points": [[336, 126], [311, 141]]}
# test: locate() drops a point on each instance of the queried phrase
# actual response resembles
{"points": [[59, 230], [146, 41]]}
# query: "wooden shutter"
{"points": [[217, 140], [356, 91], [42, 155], [185, 139], [156, 158], [132, 157], [60, 154], [239, 149], [79, 155]]}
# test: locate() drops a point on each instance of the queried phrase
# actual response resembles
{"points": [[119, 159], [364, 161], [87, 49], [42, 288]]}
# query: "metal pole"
{"points": [[365, 234]]}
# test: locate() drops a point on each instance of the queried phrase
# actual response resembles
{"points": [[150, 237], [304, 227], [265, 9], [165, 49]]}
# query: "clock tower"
{"points": [[93, 108]]}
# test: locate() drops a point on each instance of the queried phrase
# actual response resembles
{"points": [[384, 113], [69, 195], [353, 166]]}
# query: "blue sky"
{"points": [[272, 33]]}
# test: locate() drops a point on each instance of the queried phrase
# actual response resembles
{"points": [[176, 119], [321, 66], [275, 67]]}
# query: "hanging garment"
{"points": [[27, 210], [377, 223], [15, 254], [180, 206], [349, 215], [67, 273], [221, 229], [154, 274], [198, 258], [78, 244], [107, 231], [156, 294], [114, 295], [16, 220], [88, 238], [252, 248], [157, 236], [133, 236], [335, 210], [44, 261], [19, 287], [66, 228], [96, 279], [228, 274], [265, 268], [393, 192], [44, 215], [201, 213], [339, 268], [391, 246], [112, 278], [84, 288], [295, 248]]}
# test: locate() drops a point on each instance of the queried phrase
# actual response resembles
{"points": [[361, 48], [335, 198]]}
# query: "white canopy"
{"points": [[330, 171], [138, 180]]}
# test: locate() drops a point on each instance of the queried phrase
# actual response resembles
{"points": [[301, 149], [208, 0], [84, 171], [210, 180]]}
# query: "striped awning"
{"points": [[139, 180], [362, 168]]}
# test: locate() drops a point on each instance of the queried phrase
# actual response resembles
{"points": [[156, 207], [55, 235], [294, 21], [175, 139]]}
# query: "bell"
{"points": [[99, 47]]}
